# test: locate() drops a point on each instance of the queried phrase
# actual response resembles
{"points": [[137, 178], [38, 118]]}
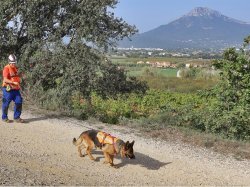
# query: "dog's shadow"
{"points": [[140, 159], [97, 152], [145, 161]]}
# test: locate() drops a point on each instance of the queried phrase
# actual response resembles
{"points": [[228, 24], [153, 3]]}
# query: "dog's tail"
{"points": [[77, 142]]}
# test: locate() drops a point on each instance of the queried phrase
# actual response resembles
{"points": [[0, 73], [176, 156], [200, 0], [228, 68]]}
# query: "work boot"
{"points": [[19, 120], [6, 120]]}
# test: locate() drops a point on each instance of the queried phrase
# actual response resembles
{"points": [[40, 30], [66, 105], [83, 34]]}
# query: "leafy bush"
{"points": [[233, 124], [136, 106]]}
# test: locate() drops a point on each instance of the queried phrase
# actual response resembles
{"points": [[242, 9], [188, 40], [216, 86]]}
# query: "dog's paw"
{"points": [[114, 166], [105, 162], [92, 158]]}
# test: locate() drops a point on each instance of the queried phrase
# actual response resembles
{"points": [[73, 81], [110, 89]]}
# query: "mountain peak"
{"points": [[201, 28], [203, 11]]}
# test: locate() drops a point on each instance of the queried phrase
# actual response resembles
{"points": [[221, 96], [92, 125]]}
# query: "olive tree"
{"points": [[36, 31], [28, 25]]}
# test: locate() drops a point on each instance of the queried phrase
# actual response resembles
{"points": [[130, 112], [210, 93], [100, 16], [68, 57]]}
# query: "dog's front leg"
{"points": [[112, 161], [107, 158]]}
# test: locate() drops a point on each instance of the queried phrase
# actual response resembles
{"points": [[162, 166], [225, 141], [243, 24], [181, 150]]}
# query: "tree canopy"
{"points": [[55, 70], [26, 25]]}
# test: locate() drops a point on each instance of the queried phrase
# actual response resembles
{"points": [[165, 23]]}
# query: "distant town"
{"points": [[158, 52]]}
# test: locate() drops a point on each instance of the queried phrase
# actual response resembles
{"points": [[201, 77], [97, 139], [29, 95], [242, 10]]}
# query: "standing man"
{"points": [[11, 90]]}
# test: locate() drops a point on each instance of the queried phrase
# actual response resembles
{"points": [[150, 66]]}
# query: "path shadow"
{"points": [[29, 120], [98, 155], [10, 121], [144, 161], [95, 153]]}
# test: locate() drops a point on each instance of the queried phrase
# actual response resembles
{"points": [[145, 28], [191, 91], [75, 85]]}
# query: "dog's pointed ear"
{"points": [[132, 143]]}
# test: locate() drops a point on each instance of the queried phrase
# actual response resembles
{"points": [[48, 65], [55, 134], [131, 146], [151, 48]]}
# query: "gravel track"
{"points": [[40, 152]]}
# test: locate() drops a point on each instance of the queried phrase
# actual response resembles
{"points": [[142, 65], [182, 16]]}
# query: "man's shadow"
{"points": [[143, 160], [29, 120]]}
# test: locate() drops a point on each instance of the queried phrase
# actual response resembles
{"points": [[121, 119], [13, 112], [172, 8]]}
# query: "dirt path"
{"points": [[41, 152]]}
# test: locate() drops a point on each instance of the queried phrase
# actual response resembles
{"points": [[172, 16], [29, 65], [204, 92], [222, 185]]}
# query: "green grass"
{"points": [[157, 72], [182, 85], [168, 72]]}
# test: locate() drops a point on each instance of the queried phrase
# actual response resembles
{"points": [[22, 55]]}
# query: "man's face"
{"points": [[13, 64]]}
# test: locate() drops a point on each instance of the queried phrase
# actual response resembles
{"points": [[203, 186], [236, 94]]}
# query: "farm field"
{"points": [[139, 71], [165, 78], [133, 68]]}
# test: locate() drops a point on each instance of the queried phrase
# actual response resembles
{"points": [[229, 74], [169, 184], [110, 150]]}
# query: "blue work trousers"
{"points": [[8, 96]]}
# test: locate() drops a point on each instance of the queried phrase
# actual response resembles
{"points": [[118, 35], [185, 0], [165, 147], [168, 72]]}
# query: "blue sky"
{"points": [[149, 14]]}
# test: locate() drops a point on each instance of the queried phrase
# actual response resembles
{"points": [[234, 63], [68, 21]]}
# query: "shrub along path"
{"points": [[41, 152]]}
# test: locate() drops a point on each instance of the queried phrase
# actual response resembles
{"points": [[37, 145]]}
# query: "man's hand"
{"points": [[15, 83]]}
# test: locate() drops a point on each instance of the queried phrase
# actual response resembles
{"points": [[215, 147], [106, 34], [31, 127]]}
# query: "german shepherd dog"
{"points": [[109, 145]]}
